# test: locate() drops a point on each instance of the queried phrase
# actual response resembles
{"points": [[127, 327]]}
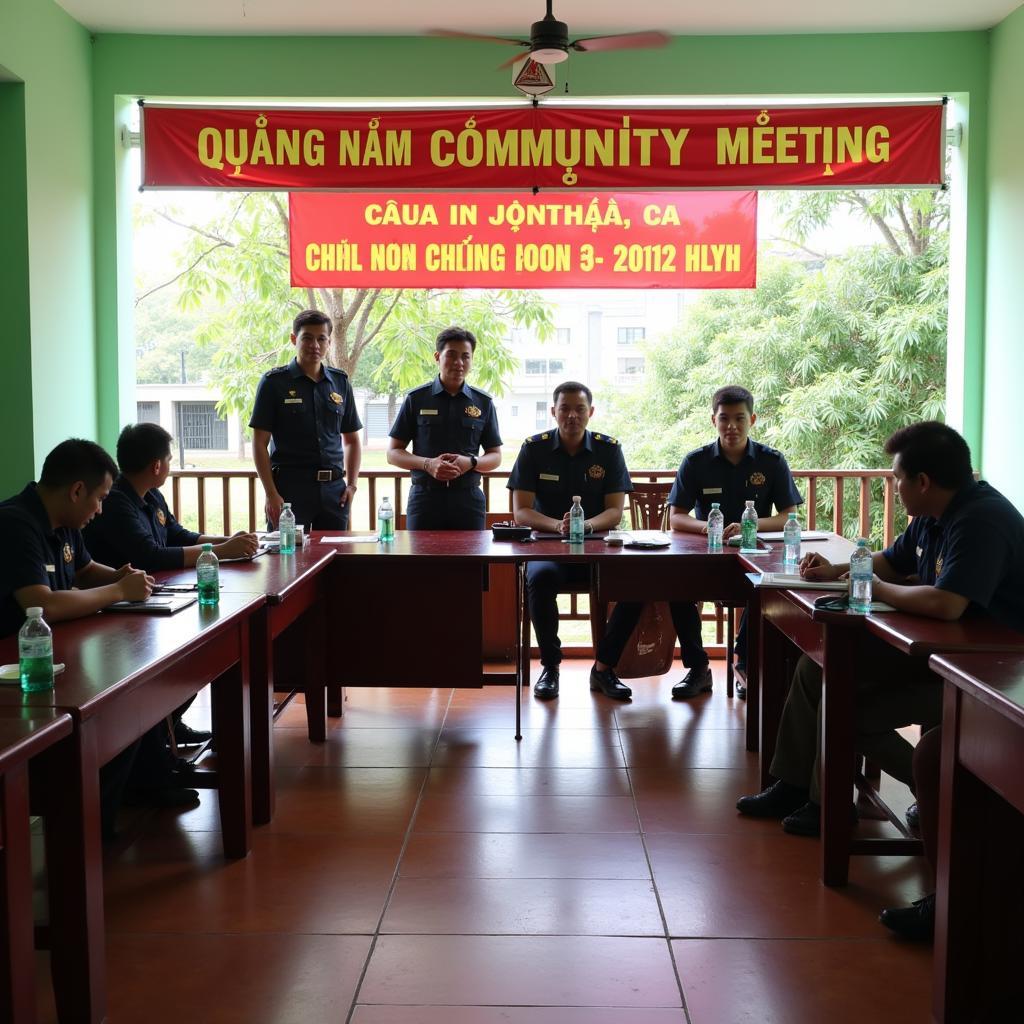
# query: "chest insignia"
{"points": [[67, 554], [336, 398], [50, 568], [160, 517], [291, 391], [548, 476], [596, 472], [756, 479], [293, 401], [472, 410], [428, 412], [938, 567]]}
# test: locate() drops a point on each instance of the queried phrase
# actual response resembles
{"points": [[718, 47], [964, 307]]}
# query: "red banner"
{"points": [[544, 147], [507, 240]]}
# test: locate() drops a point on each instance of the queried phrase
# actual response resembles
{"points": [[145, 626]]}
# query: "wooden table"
{"points": [[22, 740], [296, 590], [979, 899], [125, 673]]}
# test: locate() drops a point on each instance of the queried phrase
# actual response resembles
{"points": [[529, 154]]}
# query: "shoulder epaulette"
{"points": [[768, 450], [538, 437], [607, 439], [277, 369]]}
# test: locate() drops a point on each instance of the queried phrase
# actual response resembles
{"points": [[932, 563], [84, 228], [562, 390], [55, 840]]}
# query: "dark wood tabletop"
{"points": [[26, 732], [996, 679], [917, 636]]}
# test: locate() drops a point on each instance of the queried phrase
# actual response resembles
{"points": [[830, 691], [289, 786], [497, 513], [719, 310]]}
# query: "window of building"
{"points": [[147, 412], [540, 367], [631, 366], [563, 335], [515, 411], [542, 415], [631, 335], [199, 426]]}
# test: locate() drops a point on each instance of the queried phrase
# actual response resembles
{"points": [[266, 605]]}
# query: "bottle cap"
{"points": [[576, 497], [287, 504], [34, 613], [715, 504], [862, 542], [207, 547]]}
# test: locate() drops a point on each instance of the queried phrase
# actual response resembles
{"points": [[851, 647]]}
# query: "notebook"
{"points": [[158, 604], [794, 581]]}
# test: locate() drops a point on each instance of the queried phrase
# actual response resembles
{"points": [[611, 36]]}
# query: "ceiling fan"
{"points": [[549, 40]]}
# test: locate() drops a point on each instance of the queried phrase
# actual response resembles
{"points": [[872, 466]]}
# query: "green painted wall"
{"points": [[1004, 303], [353, 68], [49, 353]]}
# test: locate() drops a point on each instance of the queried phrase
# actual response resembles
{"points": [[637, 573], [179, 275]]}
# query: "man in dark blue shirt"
{"points": [[448, 423], [963, 550], [730, 471], [137, 526], [553, 467], [305, 427]]}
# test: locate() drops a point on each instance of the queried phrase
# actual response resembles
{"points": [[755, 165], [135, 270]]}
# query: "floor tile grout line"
{"points": [[398, 865]]}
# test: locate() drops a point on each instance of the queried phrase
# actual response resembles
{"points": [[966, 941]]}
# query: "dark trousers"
{"points": [[445, 508], [317, 506]]}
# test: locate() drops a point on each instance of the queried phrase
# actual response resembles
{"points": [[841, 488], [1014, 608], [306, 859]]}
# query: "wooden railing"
{"points": [[831, 496]]}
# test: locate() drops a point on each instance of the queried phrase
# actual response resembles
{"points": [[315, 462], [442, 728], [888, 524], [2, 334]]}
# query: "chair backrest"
{"points": [[648, 506]]}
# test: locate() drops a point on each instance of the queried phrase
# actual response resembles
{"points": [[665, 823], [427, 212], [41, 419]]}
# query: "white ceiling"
{"points": [[584, 17]]}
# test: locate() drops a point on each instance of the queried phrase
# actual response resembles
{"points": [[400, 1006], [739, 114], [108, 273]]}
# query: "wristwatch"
{"points": [[472, 462]]}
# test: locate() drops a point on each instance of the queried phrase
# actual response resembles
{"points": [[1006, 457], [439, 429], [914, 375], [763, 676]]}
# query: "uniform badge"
{"points": [[938, 567], [291, 391], [596, 472], [472, 410], [67, 554], [160, 517], [756, 479], [336, 398]]}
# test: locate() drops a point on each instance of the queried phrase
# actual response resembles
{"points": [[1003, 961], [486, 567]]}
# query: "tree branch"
{"points": [[177, 277], [879, 223], [380, 323]]}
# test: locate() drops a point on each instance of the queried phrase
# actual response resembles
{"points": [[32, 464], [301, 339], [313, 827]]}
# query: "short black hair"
{"points": [[933, 448], [572, 385], [732, 394], [76, 459], [141, 444], [311, 317], [455, 334]]}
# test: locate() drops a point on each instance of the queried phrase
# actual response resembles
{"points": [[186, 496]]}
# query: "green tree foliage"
{"points": [[237, 264], [838, 354]]}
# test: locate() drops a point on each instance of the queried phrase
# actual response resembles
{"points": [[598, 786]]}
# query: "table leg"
{"points": [[17, 989], [316, 671], [230, 693], [776, 672], [755, 628], [837, 740], [65, 781], [520, 652], [335, 696], [261, 716]]}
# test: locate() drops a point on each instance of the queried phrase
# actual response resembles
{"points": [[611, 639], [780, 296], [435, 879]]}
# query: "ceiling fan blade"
{"points": [[628, 41], [512, 60], [446, 33]]}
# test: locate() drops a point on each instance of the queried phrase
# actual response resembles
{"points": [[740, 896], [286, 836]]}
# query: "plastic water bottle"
{"points": [[286, 530], [791, 541], [748, 528], [385, 521], [716, 525], [861, 575], [577, 530], [35, 653], [208, 576]]}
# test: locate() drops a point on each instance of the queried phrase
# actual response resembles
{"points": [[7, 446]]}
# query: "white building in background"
{"points": [[599, 338]]}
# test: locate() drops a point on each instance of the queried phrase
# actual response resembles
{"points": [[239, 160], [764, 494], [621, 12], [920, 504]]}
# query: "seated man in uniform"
{"points": [[138, 527], [963, 549], [729, 471], [551, 468], [448, 423], [306, 443], [47, 565]]}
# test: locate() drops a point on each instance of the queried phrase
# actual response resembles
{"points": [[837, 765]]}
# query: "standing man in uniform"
{"points": [[306, 443], [552, 467], [448, 423], [729, 471]]}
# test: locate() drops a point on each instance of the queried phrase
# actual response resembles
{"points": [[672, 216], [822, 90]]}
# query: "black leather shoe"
{"points": [[777, 801], [609, 684], [186, 736], [546, 687], [913, 818], [740, 677], [693, 684], [914, 922], [806, 820], [163, 796]]}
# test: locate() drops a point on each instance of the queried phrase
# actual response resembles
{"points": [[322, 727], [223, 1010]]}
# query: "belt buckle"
{"points": [[324, 475]]}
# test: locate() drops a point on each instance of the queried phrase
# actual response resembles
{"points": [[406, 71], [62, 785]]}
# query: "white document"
{"points": [[794, 581], [804, 535], [355, 538]]}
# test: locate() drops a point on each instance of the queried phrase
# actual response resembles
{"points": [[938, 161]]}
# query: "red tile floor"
{"points": [[424, 868]]}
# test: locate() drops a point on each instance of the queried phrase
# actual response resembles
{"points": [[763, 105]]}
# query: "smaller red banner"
{"points": [[506, 240]]}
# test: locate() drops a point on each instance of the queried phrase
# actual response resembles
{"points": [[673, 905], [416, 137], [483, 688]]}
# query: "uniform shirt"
{"points": [[975, 549], [305, 418], [138, 530], [544, 467], [706, 476], [437, 422], [34, 553]]}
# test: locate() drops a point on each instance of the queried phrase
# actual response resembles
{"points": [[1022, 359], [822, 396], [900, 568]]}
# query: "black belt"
{"points": [[460, 483], [323, 476]]}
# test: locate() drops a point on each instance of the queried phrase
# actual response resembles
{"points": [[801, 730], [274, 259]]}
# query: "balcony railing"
{"points": [[859, 502]]}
